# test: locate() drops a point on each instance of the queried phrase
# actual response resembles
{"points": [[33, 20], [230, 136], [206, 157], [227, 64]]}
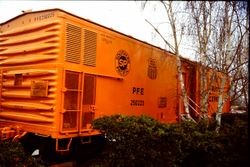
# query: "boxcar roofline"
{"points": [[87, 20]]}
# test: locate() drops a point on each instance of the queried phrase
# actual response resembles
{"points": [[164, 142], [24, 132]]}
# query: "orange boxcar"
{"points": [[58, 72]]}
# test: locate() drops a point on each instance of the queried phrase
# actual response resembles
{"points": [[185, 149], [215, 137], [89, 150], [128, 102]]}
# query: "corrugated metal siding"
{"points": [[31, 44], [28, 90], [19, 103]]}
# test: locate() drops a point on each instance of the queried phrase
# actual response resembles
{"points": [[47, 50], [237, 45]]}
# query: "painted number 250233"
{"points": [[137, 102]]}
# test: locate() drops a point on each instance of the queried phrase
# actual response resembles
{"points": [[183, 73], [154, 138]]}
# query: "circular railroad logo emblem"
{"points": [[122, 62]]}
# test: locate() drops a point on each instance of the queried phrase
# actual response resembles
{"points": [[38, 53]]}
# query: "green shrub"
{"points": [[127, 139], [143, 141], [233, 138], [12, 154]]}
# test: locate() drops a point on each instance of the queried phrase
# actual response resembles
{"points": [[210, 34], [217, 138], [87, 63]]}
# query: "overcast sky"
{"points": [[124, 16]]}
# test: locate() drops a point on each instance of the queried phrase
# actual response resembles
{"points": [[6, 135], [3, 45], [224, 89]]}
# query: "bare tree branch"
{"points": [[166, 42]]}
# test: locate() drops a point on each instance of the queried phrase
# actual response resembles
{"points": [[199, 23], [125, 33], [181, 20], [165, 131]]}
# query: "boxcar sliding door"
{"points": [[88, 102], [72, 101], [79, 101]]}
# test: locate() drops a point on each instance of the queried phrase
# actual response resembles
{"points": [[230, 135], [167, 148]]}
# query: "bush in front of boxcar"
{"points": [[143, 141], [138, 141], [13, 154]]}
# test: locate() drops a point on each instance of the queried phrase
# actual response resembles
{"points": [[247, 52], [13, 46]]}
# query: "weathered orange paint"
{"points": [[59, 72]]}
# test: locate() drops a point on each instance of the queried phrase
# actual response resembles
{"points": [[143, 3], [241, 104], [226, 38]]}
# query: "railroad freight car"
{"points": [[59, 72]]}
